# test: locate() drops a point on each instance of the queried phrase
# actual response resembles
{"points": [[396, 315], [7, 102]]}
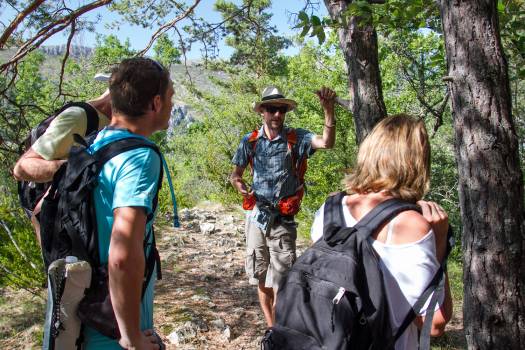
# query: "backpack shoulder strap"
{"points": [[291, 136], [380, 214], [252, 140], [333, 212], [120, 146], [91, 115], [253, 136], [113, 149]]}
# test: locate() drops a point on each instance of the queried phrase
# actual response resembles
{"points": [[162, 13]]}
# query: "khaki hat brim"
{"points": [[284, 101]]}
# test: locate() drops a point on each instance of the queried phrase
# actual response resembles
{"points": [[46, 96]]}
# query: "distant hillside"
{"points": [[58, 50], [183, 112]]}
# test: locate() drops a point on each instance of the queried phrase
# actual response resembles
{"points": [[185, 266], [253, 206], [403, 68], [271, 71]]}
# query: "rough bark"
{"points": [[490, 179], [358, 41]]}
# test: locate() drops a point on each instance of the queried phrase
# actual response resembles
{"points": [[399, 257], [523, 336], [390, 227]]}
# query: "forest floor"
{"points": [[203, 300]]}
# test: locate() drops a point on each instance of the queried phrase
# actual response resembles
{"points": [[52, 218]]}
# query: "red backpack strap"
{"points": [[254, 136], [297, 169]]}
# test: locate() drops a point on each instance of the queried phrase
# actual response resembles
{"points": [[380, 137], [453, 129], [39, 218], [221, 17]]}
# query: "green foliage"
{"points": [[512, 24], [110, 51], [20, 262], [165, 51], [202, 156], [255, 44]]}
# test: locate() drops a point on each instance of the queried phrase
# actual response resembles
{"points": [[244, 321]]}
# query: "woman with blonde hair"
{"points": [[394, 162]]}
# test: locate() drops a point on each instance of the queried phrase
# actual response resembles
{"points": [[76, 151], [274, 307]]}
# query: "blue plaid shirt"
{"points": [[272, 163]]}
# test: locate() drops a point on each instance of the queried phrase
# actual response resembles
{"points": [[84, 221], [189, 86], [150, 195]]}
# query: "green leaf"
{"points": [[315, 21], [321, 36], [303, 16], [306, 29], [501, 6]]}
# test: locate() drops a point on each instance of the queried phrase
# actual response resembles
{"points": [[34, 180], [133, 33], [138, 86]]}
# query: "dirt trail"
{"points": [[204, 300]]}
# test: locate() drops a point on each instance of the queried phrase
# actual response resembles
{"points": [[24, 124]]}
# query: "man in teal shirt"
{"points": [[141, 95]]}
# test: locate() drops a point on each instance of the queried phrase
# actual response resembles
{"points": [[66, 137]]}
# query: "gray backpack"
{"points": [[334, 295]]}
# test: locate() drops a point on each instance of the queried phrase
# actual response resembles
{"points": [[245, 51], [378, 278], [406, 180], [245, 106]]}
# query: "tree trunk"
{"points": [[358, 41], [490, 178]]}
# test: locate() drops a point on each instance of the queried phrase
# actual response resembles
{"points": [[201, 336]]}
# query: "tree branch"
{"points": [[183, 48], [167, 26], [66, 56], [25, 285], [51, 29], [14, 24], [10, 234]]}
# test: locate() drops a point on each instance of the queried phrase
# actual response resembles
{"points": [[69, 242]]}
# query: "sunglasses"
{"points": [[274, 109], [161, 70]]}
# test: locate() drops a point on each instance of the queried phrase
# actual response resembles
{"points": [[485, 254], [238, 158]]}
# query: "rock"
{"points": [[185, 214], [201, 324], [184, 334], [218, 323], [207, 228], [199, 297], [228, 220], [227, 334]]}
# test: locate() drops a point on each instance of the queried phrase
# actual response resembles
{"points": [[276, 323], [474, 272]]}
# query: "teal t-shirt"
{"points": [[127, 180]]}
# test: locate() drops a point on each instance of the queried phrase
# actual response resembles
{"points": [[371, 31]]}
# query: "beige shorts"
{"points": [[268, 258]]}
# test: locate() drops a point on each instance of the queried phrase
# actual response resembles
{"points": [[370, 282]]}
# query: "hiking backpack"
{"points": [[334, 295], [288, 205], [30, 192], [69, 229]]}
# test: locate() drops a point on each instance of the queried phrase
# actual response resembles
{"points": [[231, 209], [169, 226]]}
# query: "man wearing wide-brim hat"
{"points": [[277, 157]]}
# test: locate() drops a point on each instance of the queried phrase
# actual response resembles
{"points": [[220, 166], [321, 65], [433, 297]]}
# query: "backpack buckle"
{"points": [[339, 296]]}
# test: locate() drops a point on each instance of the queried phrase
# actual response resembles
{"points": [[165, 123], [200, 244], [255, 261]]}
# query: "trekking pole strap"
{"points": [[176, 222]]}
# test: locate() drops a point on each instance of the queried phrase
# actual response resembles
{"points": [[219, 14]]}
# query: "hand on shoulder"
{"points": [[409, 227], [436, 216]]}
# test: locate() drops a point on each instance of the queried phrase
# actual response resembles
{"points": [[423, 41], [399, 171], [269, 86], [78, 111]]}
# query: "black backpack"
{"points": [[334, 295], [30, 192], [69, 228]]}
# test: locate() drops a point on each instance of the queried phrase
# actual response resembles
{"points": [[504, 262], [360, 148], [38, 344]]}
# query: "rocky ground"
{"points": [[203, 300]]}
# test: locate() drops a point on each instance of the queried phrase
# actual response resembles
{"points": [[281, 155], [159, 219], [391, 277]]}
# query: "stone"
{"points": [[227, 334], [185, 214], [184, 333], [228, 219], [207, 228], [218, 323]]}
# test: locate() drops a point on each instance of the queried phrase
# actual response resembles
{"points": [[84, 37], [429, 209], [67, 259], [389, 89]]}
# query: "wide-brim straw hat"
{"points": [[272, 96]]}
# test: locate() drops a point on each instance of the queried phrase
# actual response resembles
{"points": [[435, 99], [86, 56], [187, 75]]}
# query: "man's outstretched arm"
{"points": [[327, 100]]}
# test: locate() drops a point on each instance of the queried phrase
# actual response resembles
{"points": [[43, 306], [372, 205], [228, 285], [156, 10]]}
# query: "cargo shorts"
{"points": [[269, 256]]}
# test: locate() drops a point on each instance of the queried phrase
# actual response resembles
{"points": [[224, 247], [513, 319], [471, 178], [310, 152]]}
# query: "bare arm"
{"points": [[438, 219], [32, 167], [441, 316], [126, 266], [237, 181], [327, 100]]}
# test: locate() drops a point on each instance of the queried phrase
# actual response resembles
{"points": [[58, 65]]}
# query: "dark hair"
{"points": [[134, 83]]}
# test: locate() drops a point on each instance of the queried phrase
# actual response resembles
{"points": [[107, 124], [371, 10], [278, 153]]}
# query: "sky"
{"points": [[139, 37]]}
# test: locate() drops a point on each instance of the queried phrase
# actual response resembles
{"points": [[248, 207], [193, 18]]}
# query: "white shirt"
{"points": [[407, 270]]}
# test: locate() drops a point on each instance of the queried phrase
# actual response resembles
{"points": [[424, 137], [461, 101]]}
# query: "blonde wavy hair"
{"points": [[394, 157]]}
